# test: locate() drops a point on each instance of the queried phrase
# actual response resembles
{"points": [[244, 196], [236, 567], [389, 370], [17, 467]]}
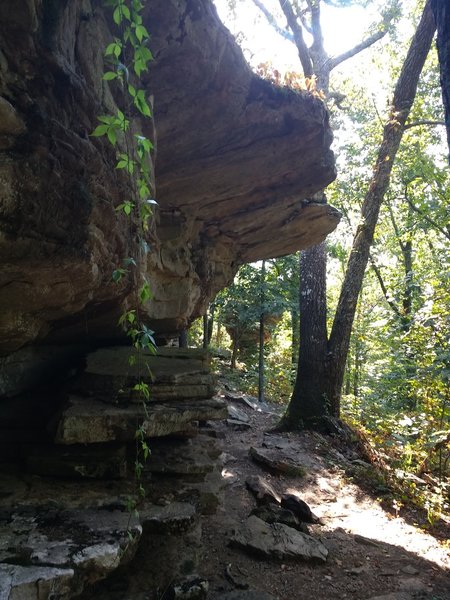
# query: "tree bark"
{"points": [[441, 10]]}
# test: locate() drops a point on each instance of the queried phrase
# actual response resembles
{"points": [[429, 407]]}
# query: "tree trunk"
{"points": [[308, 401], [183, 339], [261, 336], [404, 94], [234, 352], [205, 330], [212, 310], [441, 10]]}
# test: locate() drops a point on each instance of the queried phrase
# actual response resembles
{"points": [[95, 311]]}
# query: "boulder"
{"points": [[277, 541], [107, 461]]}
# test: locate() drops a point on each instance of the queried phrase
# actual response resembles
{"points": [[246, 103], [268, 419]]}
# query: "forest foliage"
{"points": [[397, 378]]}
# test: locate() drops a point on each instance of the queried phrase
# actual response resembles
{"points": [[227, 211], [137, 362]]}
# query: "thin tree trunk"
{"points": [[261, 336], [205, 330], [234, 351], [404, 94], [212, 311]]}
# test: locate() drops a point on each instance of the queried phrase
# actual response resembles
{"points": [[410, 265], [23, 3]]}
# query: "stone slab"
{"points": [[168, 365], [87, 421], [85, 462], [277, 541], [34, 583], [65, 549], [172, 374], [237, 415], [174, 518], [277, 462]]}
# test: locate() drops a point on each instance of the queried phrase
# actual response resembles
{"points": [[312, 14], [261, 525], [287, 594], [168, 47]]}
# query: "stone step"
{"points": [[86, 421], [174, 373], [105, 461], [175, 518]]}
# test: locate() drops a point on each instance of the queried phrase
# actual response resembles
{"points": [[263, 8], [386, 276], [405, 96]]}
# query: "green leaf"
{"points": [[141, 104], [114, 49], [117, 275], [127, 207], [109, 76], [117, 16], [112, 137], [141, 33], [132, 91], [145, 293], [100, 130], [106, 119]]}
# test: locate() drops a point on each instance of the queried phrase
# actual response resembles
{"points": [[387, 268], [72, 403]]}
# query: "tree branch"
{"points": [[383, 287], [424, 122], [273, 22], [337, 60], [297, 32], [316, 27]]}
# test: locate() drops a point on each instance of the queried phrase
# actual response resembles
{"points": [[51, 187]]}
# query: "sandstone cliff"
{"points": [[235, 159]]}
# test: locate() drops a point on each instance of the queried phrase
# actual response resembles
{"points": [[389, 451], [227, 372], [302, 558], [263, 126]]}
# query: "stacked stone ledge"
{"points": [[94, 441]]}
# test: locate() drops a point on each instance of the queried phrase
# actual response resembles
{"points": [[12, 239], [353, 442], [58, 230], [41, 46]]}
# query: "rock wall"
{"points": [[236, 159]]}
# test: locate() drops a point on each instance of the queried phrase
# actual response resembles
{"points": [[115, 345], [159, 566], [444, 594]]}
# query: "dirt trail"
{"points": [[371, 553]]}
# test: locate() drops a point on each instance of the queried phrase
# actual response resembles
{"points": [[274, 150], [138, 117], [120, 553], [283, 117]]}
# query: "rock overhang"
{"points": [[237, 161]]}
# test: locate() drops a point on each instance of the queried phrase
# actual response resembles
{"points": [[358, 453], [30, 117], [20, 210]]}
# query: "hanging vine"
{"points": [[128, 57]]}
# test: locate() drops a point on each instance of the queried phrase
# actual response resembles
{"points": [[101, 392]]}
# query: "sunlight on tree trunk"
{"points": [[441, 10], [322, 362]]}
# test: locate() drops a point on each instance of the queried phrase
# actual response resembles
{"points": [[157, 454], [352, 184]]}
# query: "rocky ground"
{"points": [[372, 553], [229, 501]]}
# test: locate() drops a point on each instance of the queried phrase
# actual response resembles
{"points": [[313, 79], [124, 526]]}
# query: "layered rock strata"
{"points": [[237, 159], [65, 487]]}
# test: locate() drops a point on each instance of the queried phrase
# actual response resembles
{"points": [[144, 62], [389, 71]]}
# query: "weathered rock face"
{"points": [[236, 157]]}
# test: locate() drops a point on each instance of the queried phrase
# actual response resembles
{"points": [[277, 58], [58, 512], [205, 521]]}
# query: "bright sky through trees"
{"points": [[343, 28]]}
